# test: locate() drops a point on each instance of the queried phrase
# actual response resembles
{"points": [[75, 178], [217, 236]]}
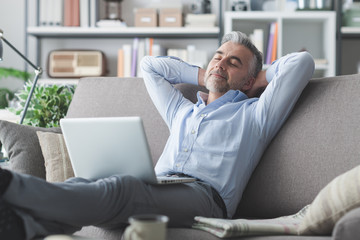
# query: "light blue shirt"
{"points": [[221, 143]]}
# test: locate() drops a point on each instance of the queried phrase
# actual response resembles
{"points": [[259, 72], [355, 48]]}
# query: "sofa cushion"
{"points": [[22, 146], [336, 199], [57, 161], [347, 228]]}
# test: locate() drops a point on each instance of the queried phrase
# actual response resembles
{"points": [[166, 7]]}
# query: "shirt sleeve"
{"points": [[160, 73], [287, 78]]}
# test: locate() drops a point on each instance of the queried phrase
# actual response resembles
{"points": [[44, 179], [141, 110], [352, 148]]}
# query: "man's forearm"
{"points": [[170, 69], [160, 73], [201, 77]]}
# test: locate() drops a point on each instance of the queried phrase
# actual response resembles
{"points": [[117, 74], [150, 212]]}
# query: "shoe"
{"points": [[11, 225], [5, 179]]}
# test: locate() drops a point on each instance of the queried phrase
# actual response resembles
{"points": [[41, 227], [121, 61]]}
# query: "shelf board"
{"points": [[79, 32], [350, 31], [58, 81], [274, 15]]}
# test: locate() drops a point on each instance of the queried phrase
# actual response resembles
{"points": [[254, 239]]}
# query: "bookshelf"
{"points": [[313, 31], [170, 32], [43, 39], [350, 50]]}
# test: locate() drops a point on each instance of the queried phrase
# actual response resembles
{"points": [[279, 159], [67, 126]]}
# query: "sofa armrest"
{"points": [[347, 228]]}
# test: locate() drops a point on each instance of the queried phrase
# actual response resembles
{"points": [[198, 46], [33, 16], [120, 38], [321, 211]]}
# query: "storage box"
{"points": [[171, 17], [146, 17], [352, 17]]}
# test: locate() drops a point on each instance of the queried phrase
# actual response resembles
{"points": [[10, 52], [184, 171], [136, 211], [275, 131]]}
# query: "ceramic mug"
{"points": [[146, 227]]}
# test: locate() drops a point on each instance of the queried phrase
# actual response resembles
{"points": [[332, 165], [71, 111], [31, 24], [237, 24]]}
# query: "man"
{"points": [[219, 140]]}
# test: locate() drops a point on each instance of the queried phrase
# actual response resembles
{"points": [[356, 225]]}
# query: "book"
{"points": [[149, 42], [120, 63], [93, 12], [76, 13], [84, 13], [140, 54], [257, 37], [196, 57], [57, 12], [275, 43], [180, 53], [127, 60], [157, 50], [44, 9], [270, 43], [67, 13], [71, 13], [134, 57]]}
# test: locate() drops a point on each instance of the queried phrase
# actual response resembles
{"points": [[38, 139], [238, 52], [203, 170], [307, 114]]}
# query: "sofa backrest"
{"points": [[319, 141], [117, 97]]}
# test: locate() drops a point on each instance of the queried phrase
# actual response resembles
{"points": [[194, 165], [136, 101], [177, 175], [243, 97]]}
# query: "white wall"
{"points": [[12, 22]]}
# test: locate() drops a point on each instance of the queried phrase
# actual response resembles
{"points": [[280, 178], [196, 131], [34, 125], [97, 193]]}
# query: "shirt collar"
{"points": [[229, 96]]}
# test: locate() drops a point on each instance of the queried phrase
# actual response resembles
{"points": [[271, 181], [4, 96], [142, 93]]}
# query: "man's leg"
{"points": [[107, 202]]}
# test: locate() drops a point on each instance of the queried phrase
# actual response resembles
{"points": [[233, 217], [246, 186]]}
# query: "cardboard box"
{"points": [[171, 17], [146, 17]]}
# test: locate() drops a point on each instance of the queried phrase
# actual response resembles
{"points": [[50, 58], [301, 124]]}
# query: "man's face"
{"points": [[229, 69]]}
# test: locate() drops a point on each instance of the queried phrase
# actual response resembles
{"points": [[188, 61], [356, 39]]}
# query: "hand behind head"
{"points": [[259, 86]]}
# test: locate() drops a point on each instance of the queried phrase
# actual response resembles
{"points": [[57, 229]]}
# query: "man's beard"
{"points": [[216, 85]]}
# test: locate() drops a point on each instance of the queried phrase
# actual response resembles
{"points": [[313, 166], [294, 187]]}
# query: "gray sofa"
{"points": [[319, 141]]}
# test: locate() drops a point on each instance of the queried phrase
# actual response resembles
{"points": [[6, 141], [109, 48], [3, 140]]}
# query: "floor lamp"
{"points": [[37, 70]]}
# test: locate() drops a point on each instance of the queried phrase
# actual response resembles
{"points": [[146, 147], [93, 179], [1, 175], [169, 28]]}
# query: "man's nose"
{"points": [[220, 64]]}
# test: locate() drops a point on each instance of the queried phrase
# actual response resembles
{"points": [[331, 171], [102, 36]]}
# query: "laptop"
{"points": [[101, 147]]}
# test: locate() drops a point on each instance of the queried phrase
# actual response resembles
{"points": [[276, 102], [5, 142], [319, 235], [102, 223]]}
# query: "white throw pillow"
{"points": [[337, 198]]}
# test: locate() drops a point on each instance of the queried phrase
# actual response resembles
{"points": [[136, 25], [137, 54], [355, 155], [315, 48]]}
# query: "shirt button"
{"points": [[178, 165], [186, 150], [202, 115], [193, 132]]}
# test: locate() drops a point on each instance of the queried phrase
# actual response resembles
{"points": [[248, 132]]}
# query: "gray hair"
{"points": [[242, 39]]}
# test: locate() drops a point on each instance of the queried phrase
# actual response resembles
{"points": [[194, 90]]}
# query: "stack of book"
{"points": [[268, 46], [190, 55], [68, 13], [130, 55]]}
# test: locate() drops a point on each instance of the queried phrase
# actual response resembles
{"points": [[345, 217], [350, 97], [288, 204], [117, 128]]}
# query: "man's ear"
{"points": [[248, 84]]}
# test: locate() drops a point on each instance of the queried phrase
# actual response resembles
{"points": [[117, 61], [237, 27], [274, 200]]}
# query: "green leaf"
{"points": [[48, 104]]}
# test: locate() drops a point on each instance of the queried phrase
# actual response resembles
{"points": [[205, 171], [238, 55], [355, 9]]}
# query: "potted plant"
{"points": [[47, 106]]}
